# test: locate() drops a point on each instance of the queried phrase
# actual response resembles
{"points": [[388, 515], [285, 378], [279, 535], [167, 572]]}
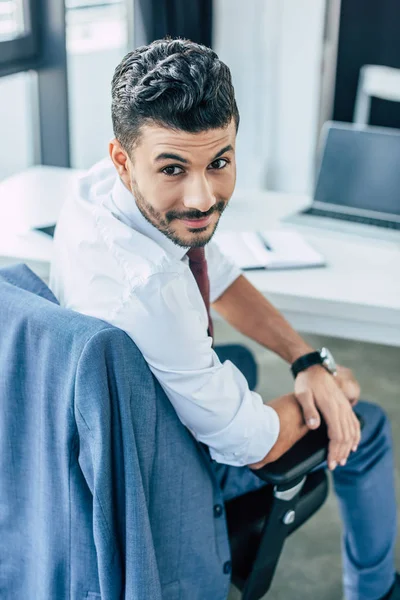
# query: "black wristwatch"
{"points": [[319, 357]]}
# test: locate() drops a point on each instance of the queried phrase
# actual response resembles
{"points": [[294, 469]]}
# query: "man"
{"points": [[134, 248]]}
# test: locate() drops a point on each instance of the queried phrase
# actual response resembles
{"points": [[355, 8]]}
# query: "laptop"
{"points": [[358, 183]]}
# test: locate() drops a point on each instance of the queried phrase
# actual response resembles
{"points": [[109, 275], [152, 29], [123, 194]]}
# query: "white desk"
{"points": [[357, 296], [29, 199]]}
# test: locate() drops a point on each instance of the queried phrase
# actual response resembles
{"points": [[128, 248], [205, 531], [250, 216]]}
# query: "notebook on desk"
{"points": [[273, 249]]}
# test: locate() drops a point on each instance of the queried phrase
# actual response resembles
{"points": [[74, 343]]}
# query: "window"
{"points": [[62, 114], [12, 21], [97, 39], [18, 35]]}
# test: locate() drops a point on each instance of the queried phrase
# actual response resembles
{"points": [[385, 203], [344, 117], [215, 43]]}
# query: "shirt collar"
{"points": [[128, 211]]}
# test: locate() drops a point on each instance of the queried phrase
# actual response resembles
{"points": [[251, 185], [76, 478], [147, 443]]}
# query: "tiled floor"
{"points": [[310, 566]]}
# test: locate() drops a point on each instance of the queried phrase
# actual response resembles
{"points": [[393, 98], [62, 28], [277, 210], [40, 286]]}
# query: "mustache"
{"points": [[197, 214]]}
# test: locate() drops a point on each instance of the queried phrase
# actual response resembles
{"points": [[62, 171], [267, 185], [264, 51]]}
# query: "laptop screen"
{"points": [[360, 168]]}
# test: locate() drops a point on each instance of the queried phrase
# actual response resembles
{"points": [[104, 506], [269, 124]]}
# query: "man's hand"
{"points": [[317, 390], [348, 384]]}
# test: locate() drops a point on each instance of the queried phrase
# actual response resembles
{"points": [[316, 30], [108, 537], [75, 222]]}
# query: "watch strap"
{"points": [[304, 362]]}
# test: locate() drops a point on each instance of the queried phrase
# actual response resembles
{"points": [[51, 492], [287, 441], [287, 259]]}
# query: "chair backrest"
{"points": [[101, 486], [375, 81]]}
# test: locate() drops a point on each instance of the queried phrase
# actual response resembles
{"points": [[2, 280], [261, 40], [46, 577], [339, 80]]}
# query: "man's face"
{"points": [[181, 181]]}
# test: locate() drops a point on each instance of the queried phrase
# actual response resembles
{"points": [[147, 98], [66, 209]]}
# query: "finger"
{"points": [[347, 439], [356, 393], [349, 384], [355, 430], [358, 433], [334, 455], [310, 412], [351, 390], [343, 436], [335, 437]]}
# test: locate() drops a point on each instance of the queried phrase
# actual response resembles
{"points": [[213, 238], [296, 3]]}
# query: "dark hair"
{"points": [[171, 82]]}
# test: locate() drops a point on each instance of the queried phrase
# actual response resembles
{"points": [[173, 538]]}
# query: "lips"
{"points": [[197, 223]]}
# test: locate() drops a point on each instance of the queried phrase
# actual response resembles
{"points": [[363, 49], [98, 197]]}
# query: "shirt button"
{"points": [[227, 567], [218, 510]]}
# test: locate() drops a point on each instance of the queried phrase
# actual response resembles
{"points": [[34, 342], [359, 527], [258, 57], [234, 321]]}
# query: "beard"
{"points": [[165, 222]]}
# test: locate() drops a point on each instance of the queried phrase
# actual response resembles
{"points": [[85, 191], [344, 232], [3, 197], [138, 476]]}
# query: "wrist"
{"points": [[298, 351], [322, 358]]}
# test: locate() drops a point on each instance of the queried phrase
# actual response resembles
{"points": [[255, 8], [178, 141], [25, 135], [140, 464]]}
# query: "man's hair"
{"points": [[174, 83]]}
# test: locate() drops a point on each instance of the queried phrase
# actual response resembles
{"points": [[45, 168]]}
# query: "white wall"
{"points": [[16, 135], [274, 49], [94, 47], [89, 82]]}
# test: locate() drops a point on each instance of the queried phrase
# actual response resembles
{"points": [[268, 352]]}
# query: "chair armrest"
{"points": [[308, 453]]}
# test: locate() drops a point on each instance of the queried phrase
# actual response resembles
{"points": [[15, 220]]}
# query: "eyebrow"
{"points": [[168, 155]]}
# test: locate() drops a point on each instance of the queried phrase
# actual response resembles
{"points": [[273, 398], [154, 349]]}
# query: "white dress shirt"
{"points": [[110, 262]]}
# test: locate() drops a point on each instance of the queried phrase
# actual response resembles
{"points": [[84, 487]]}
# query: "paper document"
{"points": [[273, 249]]}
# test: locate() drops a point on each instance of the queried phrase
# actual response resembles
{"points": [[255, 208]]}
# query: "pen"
{"points": [[264, 241]]}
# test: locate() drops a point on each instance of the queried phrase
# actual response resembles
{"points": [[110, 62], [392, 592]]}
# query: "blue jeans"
{"points": [[364, 488]]}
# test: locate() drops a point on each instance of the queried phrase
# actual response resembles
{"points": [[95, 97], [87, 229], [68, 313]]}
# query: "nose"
{"points": [[199, 194]]}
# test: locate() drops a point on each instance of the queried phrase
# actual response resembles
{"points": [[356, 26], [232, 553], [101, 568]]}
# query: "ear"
{"points": [[121, 161]]}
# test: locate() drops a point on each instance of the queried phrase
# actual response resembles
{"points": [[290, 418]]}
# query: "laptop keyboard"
{"points": [[320, 212]]}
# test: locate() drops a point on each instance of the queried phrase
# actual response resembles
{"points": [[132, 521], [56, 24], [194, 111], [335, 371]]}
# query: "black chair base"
{"points": [[254, 525]]}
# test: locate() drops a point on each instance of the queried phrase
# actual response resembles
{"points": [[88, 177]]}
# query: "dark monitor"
{"points": [[360, 168]]}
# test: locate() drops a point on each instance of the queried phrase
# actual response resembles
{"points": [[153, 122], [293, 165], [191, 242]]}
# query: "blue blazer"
{"points": [[103, 492]]}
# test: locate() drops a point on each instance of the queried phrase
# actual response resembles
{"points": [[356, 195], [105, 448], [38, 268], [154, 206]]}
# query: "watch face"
{"points": [[328, 361]]}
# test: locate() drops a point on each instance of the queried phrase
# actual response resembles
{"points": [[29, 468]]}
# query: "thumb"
{"points": [[310, 412]]}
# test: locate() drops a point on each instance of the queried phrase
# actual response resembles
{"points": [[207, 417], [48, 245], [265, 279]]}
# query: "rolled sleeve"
{"points": [[250, 435], [212, 399], [222, 271]]}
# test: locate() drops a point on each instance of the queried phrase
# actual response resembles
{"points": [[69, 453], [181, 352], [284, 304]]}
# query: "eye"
{"points": [[219, 164], [170, 170]]}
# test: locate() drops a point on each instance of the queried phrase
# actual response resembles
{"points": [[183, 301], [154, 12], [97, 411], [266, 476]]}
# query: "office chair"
{"points": [[375, 81], [259, 521]]}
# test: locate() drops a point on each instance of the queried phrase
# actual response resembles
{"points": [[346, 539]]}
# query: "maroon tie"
{"points": [[198, 266]]}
